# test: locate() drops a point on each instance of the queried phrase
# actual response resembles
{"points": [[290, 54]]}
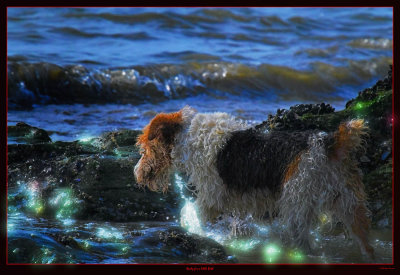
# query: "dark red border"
{"points": [[217, 267]]}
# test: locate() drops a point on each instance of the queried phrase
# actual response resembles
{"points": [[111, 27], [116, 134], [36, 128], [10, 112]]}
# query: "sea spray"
{"points": [[189, 216]]}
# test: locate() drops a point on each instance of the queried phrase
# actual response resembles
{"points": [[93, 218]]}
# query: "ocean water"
{"points": [[77, 72], [98, 69]]}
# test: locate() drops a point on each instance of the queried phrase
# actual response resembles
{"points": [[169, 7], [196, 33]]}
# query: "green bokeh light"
{"points": [[34, 203], [362, 105], [125, 249], [10, 226], [65, 203], [296, 256], [359, 106], [45, 256], [325, 218], [85, 245], [272, 253], [110, 233], [86, 139], [244, 245]]}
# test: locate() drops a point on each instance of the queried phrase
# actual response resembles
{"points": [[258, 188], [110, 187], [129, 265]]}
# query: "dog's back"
{"points": [[251, 159]]}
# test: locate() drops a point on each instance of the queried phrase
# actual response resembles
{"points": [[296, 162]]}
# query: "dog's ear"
{"points": [[164, 131]]}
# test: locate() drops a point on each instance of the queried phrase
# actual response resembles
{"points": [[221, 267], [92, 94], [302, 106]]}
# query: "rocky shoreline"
{"points": [[92, 180]]}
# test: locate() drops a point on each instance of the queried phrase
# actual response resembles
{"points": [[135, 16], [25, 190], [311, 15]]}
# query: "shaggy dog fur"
{"points": [[233, 168]]}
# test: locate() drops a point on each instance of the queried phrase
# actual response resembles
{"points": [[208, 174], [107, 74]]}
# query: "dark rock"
{"points": [[23, 152], [21, 250], [66, 240], [294, 118], [315, 109], [23, 132], [166, 244], [378, 185], [371, 93], [37, 249], [99, 174], [193, 246], [121, 143]]}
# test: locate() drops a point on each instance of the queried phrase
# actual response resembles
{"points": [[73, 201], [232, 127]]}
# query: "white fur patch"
{"points": [[195, 154]]}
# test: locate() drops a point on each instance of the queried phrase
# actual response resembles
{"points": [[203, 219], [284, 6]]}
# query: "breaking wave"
{"points": [[46, 83]]}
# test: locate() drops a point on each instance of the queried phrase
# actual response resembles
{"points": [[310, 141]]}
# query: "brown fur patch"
{"points": [[292, 168], [158, 125], [156, 144], [348, 137], [354, 179]]}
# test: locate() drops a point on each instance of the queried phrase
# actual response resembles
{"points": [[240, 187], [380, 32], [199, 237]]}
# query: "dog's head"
{"points": [[156, 144]]}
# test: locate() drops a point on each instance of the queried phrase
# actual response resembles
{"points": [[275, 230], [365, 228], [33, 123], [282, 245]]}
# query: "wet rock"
{"points": [[38, 249], [296, 118], [315, 109], [23, 132], [373, 104], [105, 243], [21, 250], [65, 240], [121, 143], [194, 247], [371, 93], [98, 173], [378, 185], [23, 152]]}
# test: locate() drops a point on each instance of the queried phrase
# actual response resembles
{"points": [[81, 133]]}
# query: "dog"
{"points": [[235, 168]]}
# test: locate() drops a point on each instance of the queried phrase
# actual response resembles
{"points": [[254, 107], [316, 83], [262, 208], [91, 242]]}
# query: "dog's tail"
{"points": [[349, 138]]}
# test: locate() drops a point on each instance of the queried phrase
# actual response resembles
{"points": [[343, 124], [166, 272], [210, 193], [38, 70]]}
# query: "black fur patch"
{"points": [[251, 159]]}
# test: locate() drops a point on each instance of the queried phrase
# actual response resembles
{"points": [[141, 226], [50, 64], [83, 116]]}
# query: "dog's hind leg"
{"points": [[304, 189], [351, 209], [356, 220], [350, 203], [360, 229]]}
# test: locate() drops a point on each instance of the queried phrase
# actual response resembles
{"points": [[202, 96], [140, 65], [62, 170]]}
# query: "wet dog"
{"points": [[234, 168]]}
